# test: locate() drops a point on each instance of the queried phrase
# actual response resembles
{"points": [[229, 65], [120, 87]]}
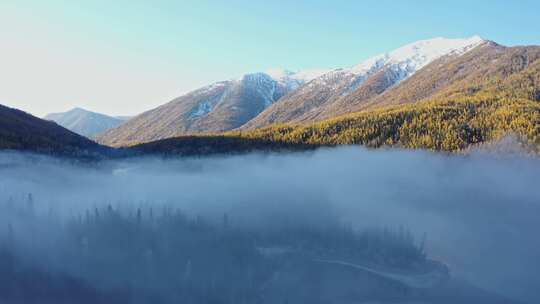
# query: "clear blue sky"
{"points": [[123, 57]]}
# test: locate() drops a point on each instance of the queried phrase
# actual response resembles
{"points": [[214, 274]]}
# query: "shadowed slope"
{"points": [[22, 131], [218, 107]]}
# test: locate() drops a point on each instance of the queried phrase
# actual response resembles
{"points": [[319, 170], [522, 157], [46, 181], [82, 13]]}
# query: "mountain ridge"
{"points": [[22, 131], [84, 122], [244, 103], [309, 102], [490, 93], [218, 107]]}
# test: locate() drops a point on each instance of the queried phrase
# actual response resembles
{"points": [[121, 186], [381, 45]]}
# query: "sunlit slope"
{"points": [[218, 107], [342, 91], [261, 99], [483, 106], [447, 125], [478, 107]]}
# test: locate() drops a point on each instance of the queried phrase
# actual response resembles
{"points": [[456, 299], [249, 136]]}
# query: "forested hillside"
{"points": [[503, 100], [161, 254], [22, 131], [344, 91], [449, 105], [484, 108]]}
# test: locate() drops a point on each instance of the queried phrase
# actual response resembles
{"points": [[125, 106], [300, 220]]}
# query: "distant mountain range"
{"points": [[457, 101], [258, 100], [439, 94], [85, 122], [218, 107], [449, 105]]}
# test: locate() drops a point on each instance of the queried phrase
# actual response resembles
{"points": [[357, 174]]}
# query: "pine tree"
{"points": [[187, 272], [139, 216], [96, 214], [225, 221], [30, 204], [11, 235]]}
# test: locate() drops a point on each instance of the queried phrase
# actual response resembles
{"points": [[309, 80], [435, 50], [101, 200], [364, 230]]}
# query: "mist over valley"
{"points": [[292, 208]]}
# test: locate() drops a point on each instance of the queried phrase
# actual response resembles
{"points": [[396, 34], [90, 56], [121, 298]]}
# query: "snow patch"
{"points": [[293, 80], [207, 104], [264, 85], [412, 57], [202, 109], [404, 62]]}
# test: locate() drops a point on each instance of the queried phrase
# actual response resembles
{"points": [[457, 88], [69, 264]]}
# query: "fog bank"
{"points": [[480, 213]]}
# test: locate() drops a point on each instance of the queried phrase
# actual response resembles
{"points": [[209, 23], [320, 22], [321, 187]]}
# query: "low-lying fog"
{"points": [[481, 214]]}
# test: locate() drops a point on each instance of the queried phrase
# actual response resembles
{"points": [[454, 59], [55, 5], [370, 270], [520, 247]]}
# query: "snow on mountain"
{"points": [[265, 86], [315, 99], [277, 95], [412, 57], [217, 107], [268, 86], [294, 79], [260, 85], [209, 102], [403, 62]]}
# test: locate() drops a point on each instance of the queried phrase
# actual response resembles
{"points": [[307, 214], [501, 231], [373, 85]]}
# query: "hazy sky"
{"points": [[124, 57]]}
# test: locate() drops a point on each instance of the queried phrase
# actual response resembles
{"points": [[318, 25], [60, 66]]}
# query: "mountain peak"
{"points": [[78, 109], [279, 73], [84, 122], [416, 55], [327, 93], [300, 77]]}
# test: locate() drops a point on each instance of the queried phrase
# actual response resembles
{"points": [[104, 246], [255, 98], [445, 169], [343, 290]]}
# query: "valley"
{"points": [[351, 230], [269, 152]]}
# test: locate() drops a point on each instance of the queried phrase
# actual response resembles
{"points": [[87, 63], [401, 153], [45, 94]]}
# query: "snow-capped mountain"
{"points": [[262, 87], [293, 80], [310, 101], [404, 61], [217, 107], [412, 57], [85, 122], [278, 95]]}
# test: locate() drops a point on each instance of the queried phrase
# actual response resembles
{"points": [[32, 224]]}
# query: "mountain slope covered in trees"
{"points": [[498, 94], [451, 104], [22, 131], [318, 99], [170, 256], [261, 99], [427, 82]]}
